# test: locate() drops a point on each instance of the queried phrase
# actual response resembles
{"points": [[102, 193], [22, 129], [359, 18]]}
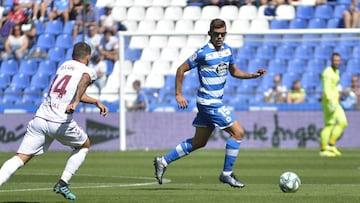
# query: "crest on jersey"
{"points": [[221, 68]]}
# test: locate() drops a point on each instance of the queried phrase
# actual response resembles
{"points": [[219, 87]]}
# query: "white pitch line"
{"points": [[94, 186]]}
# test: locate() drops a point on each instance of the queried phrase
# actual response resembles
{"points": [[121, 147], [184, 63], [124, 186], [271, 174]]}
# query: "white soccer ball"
{"points": [[289, 182]]}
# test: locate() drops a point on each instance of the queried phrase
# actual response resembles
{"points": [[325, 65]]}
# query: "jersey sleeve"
{"points": [[194, 59], [92, 73]]}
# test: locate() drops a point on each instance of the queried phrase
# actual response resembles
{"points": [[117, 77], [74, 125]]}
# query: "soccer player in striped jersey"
{"points": [[54, 120], [213, 62], [335, 120]]}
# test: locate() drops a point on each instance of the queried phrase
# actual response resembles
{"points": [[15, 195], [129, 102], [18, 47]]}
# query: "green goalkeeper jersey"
{"points": [[330, 80]]}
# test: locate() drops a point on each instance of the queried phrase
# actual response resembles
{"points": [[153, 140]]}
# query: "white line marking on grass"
{"points": [[102, 185]]}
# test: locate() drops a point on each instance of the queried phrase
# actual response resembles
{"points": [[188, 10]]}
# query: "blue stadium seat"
{"points": [[12, 94], [288, 78], [5, 81], [345, 2], [345, 79], [68, 54], [323, 11], [132, 54], [310, 80], [39, 27], [245, 52], [54, 27], [329, 40], [28, 66], [305, 12], [284, 52], [9, 67], [298, 23], [311, 40], [266, 83], [276, 66], [45, 41], [315, 65], [344, 51], [265, 52], [110, 66], [20, 80], [353, 66], [31, 96], [279, 24], [317, 23], [292, 40], [349, 39], [64, 41], [56, 54], [253, 40], [356, 52], [272, 40], [40, 80], [255, 64], [304, 52], [47, 67], [338, 10], [335, 23], [68, 27], [296, 66], [323, 52]]}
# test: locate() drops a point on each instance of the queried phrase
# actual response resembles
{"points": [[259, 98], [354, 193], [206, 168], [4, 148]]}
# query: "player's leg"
{"points": [[32, 144], [200, 139], [329, 122], [338, 130], [72, 135], [236, 132]]}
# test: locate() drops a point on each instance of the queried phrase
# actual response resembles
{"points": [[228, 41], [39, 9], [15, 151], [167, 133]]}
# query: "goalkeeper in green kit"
{"points": [[335, 120]]}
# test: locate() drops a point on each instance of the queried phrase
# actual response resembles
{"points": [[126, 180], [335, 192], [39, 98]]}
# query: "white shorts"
{"points": [[41, 133]]}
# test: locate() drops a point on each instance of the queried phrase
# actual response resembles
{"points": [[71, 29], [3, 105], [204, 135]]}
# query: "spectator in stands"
{"points": [[93, 38], [277, 93], [84, 20], [16, 45], [108, 48], [26, 6], [108, 22], [141, 101], [61, 8], [195, 3], [352, 15], [40, 6], [77, 7], [219, 3], [29, 29], [6, 24], [17, 14], [296, 94], [351, 95], [99, 65], [233, 2]]}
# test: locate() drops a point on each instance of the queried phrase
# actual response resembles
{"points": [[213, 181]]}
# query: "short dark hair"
{"points": [[335, 54], [217, 23], [81, 50]]}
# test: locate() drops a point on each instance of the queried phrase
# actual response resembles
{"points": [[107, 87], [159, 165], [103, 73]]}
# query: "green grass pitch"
{"points": [[114, 176]]}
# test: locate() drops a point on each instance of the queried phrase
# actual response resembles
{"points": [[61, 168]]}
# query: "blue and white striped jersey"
{"points": [[212, 67]]}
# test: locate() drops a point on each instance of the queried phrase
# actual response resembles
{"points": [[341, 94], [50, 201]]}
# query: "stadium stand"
{"points": [[154, 59]]}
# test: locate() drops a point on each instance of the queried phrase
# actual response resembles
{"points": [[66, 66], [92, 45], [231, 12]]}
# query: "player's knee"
{"points": [[343, 124], [86, 144]]}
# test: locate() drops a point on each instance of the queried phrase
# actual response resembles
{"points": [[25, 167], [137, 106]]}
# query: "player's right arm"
{"points": [[327, 90], [181, 101]]}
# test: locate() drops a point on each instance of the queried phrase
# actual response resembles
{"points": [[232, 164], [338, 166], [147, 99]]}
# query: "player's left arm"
{"points": [[80, 96], [237, 73]]}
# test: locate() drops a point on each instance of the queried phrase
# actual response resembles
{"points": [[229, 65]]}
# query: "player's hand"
{"points": [[181, 101], [103, 109], [260, 72], [70, 109]]}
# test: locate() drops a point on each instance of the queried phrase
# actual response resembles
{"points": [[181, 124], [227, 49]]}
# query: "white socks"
{"points": [[9, 168], [73, 163]]}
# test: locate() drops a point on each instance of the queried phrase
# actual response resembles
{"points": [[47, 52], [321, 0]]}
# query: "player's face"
{"points": [[336, 61], [217, 37]]}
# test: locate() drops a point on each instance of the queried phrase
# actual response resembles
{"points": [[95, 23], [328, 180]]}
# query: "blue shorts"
{"points": [[213, 116]]}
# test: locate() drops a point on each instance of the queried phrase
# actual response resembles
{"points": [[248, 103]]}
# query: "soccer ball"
{"points": [[289, 182]]}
